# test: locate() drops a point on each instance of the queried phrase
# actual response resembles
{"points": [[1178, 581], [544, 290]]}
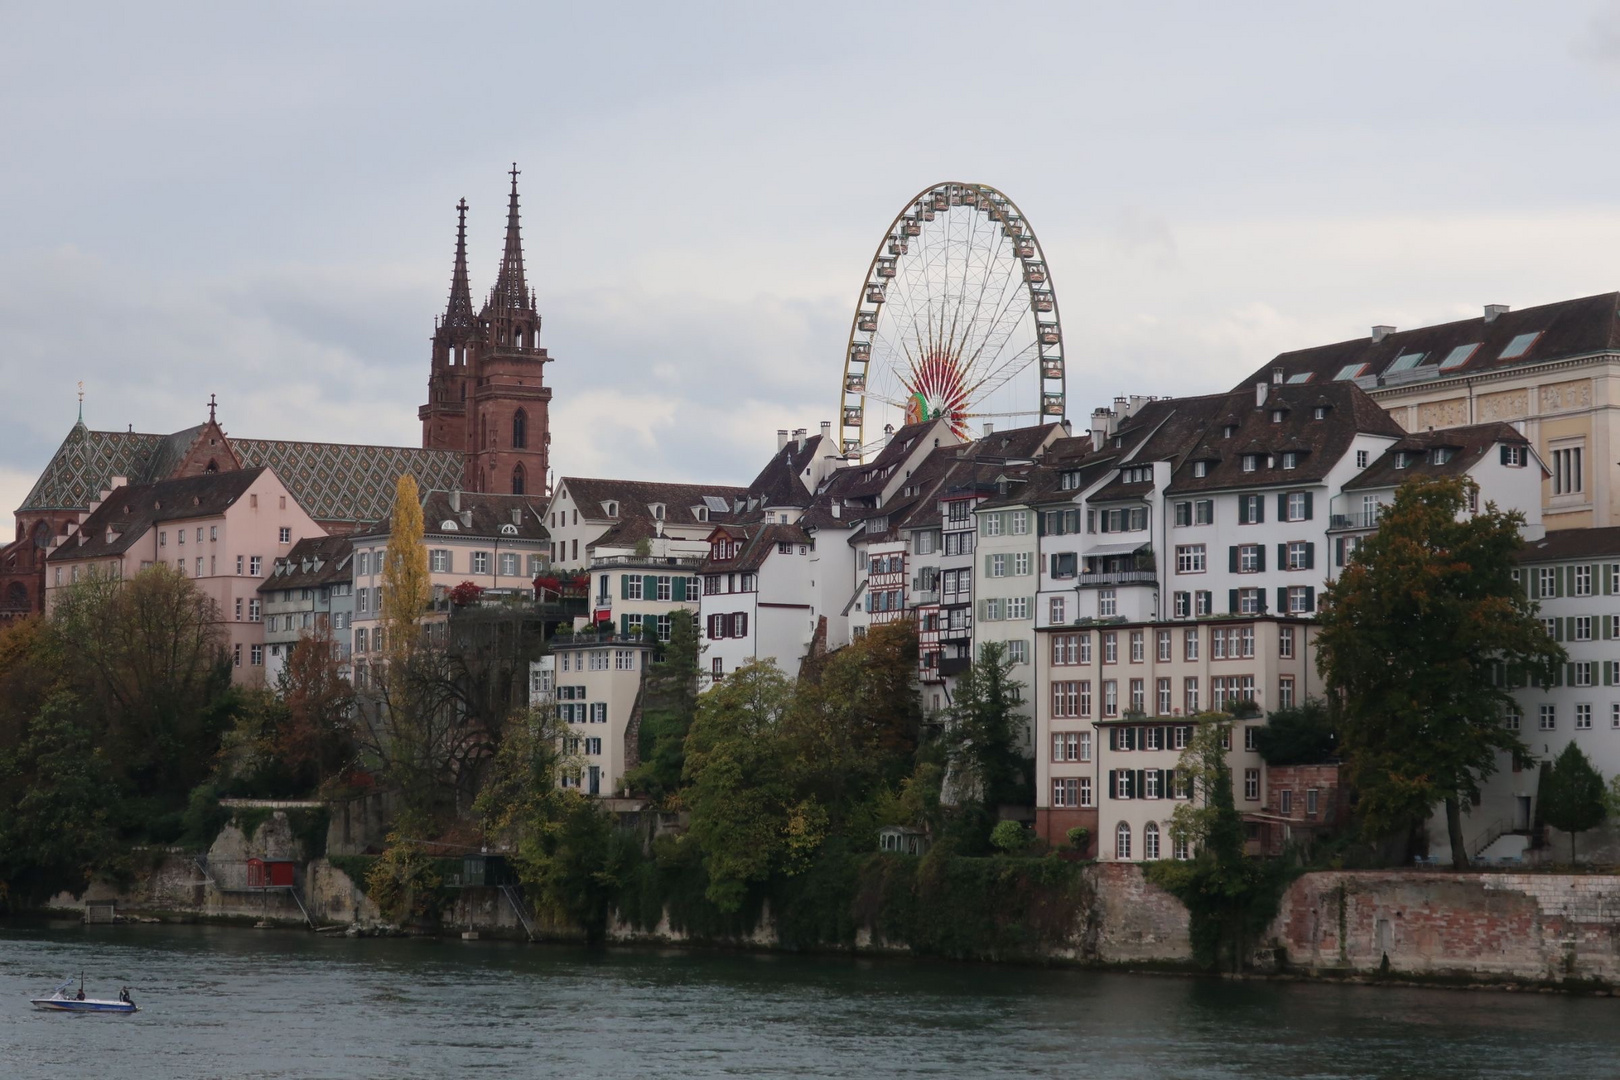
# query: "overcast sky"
{"points": [[259, 203]]}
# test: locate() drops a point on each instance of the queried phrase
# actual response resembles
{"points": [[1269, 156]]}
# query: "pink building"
{"points": [[223, 530]]}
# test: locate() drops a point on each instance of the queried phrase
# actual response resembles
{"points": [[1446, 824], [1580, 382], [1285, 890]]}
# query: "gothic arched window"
{"points": [[517, 480], [520, 430]]}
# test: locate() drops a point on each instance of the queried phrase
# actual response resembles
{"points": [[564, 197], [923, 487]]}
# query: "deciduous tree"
{"points": [[1572, 795], [406, 587], [1414, 634]]}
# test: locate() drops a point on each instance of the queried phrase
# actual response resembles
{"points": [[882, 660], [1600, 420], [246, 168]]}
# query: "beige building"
{"points": [[631, 592], [494, 541], [595, 686], [1552, 371], [1097, 681]]}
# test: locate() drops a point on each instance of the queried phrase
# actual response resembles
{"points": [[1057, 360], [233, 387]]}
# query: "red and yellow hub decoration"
{"points": [[936, 390]]}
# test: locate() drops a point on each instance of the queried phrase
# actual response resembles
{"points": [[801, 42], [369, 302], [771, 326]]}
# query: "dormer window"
{"points": [[1119, 441], [1276, 416], [1440, 455], [1290, 459], [611, 509], [1402, 459], [701, 513], [1319, 413], [1228, 431], [1200, 468], [449, 525], [1069, 481], [1251, 462], [657, 511], [509, 530]]}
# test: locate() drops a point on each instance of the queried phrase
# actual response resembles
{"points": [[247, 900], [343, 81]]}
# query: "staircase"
{"points": [[514, 897]]}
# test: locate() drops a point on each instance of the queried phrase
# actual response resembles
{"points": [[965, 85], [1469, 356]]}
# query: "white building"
{"points": [[595, 686], [757, 602]]}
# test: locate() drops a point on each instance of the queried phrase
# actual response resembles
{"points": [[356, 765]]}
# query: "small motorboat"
{"points": [[62, 1001]]}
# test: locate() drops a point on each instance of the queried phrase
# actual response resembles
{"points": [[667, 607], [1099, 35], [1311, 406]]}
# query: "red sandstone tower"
{"points": [[486, 392]]}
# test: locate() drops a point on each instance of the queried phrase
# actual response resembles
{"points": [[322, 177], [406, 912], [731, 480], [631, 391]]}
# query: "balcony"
{"points": [[1118, 577], [953, 665], [682, 562], [921, 597]]}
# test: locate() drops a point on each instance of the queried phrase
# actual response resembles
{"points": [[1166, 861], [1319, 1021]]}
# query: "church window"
{"points": [[517, 480], [520, 432]]}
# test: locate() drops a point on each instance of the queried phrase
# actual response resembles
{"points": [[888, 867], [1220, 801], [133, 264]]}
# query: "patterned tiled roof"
{"points": [[345, 482], [332, 481]]}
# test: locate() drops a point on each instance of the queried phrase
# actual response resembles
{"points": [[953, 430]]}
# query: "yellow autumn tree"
{"points": [[406, 588]]}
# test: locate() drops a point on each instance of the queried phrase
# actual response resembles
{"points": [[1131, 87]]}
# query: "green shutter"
{"points": [[678, 589], [1282, 506], [1310, 598], [1282, 599], [1231, 601], [1243, 509], [1310, 556], [624, 625], [649, 587], [624, 586], [1308, 502]]}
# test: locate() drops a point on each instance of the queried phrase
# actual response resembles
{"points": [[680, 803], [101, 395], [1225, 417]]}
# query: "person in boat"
{"points": [[80, 994], [123, 995]]}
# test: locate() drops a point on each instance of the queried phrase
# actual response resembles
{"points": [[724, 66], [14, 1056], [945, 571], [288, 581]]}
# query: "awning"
{"points": [[1114, 549]]}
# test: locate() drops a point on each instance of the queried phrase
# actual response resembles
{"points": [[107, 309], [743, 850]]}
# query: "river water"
{"points": [[277, 1003]]}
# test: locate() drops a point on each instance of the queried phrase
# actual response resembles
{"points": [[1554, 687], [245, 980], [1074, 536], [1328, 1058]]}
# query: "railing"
{"points": [[924, 596], [1119, 577], [515, 898], [684, 562], [1493, 832]]}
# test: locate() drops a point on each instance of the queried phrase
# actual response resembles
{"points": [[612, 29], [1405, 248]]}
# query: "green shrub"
{"points": [[1009, 837], [1079, 837]]}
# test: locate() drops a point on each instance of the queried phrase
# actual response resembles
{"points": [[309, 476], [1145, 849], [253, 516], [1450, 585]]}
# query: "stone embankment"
{"points": [[1515, 928]]}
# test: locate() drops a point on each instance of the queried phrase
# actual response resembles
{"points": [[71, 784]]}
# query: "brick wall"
{"points": [[1135, 921], [1529, 926]]}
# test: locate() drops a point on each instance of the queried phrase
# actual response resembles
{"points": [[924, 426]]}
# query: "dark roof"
{"points": [[1562, 544], [130, 512], [634, 499], [1468, 445], [313, 561], [869, 479], [759, 541], [1566, 329], [1320, 443], [510, 516], [331, 481], [780, 482]]}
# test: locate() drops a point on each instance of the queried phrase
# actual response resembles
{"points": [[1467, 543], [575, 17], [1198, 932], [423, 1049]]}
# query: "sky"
{"points": [[259, 203]]}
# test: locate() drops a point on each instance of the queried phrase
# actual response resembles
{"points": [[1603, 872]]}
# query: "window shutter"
{"points": [[1308, 502], [1338, 551], [649, 587], [1243, 509], [1232, 560], [624, 625], [1260, 557], [1168, 785], [1259, 510], [1558, 629], [1569, 671], [1231, 600], [1310, 598], [743, 618], [1260, 600], [1282, 556], [1532, 584], [1138, 789], [1113, 744], [624, 586], [1310, 555], [1112, 788], [1282, 506], [1503, 450], [678, 589], [710, 627], [1560, 581]]}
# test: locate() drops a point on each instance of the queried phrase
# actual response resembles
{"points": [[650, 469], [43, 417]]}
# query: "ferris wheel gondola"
{"points": [[956, 319]]}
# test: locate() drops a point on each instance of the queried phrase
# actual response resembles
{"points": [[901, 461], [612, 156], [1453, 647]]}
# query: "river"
{"points": [[237, 1003]]}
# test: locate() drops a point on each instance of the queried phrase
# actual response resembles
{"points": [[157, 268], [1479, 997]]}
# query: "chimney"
{"points": [[1261, 389], [781, 439], [837, 509], [1099, 427], [517, 516], [888, 433], [1379, 333], [1493, 310], [798, 436], [1277, 376], [826, 429], [989, 428], [455, 499], [1122, 409], [466, 519]]}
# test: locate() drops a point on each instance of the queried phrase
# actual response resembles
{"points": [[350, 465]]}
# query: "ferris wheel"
{"points": [[956, 320]]}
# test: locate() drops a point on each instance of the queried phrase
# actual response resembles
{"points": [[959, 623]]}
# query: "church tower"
{"points": [[486, 393]]}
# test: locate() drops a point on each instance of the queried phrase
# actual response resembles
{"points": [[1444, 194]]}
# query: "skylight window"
{"points": [[1350, 371], [1406, 362], [1519, 346], [1458, 357], [1302, 377]]}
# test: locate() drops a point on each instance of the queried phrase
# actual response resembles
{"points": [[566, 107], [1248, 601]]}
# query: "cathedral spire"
{"points": [[458, 315], [510, 291]]}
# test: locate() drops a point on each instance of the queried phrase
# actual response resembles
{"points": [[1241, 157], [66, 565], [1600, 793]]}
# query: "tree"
{"points": [[1572, 795], [669, 703], [316, 741], [1413, 633], [1302, 735], [406, 588], [745, 817], [983, 728], [148, 656]]}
